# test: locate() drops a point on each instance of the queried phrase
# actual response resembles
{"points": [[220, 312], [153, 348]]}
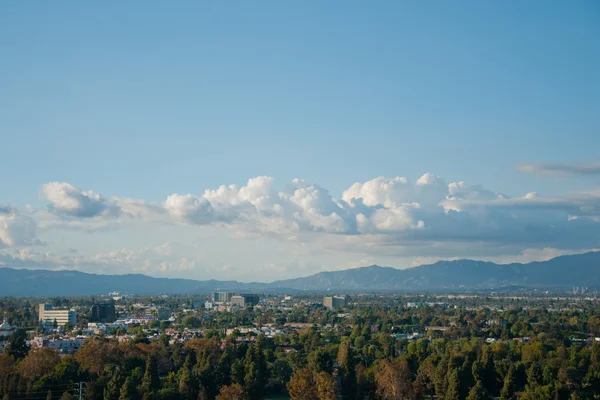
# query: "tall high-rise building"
{"points": [[47, 315], [221, 297], [103, 313]]}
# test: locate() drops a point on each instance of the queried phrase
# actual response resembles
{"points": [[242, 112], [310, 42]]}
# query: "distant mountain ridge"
{"points": [[462, 275]]}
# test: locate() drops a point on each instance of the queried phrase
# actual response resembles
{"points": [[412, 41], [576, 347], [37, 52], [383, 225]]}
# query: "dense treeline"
{"points": [[537, 355]]}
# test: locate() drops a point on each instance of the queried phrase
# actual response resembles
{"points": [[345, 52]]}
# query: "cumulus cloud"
{"points": [[71, 201], [383, 211], [16, 229], [564, 169]]}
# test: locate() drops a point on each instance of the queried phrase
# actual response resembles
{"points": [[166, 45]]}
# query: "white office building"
{"points": [[47, 315]]}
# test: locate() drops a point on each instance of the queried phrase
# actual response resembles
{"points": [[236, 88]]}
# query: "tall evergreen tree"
{"points": [[509, 388], [187, 383], [255, 367], [534, 375], [112, 389], [347, 371], [151, 380], [453, 392], [478, 392], [127, 390]]}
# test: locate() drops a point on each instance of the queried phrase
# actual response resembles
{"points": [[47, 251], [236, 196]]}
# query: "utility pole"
{"points": [[80, 389]]}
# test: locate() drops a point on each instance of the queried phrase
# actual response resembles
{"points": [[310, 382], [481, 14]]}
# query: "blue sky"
{"points": [[141, 101]]}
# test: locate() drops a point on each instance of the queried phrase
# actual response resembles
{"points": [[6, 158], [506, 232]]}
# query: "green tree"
{"points": [[534, 375], [112, 390], [127, 390], [187, 383], [453, 392], [347, 370], [17, 345], [255, 367], [478, 392], [151, 380], [509, 388]]}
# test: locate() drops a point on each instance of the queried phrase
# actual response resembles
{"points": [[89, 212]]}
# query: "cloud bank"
{"points": [[390, 211]]}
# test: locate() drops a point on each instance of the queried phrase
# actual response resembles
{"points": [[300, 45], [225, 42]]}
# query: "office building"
{"points": [[245, 300], [221, 297], [47, 315], [333, 302], [104, 313]]}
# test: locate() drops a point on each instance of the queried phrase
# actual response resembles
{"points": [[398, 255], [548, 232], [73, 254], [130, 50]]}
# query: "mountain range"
{"points": [[460, 275]]}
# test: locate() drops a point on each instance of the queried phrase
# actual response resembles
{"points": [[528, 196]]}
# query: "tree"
{"points": [[318, 360], [94, 355], [151, 380], [393, 379], [66, 396], [231, 392], [202, 395], [38, 363], [301, 385], [90, 391], [191, 322], [478, 392], [509, 388], [534, 375], [256, 372], [325, 386], [453, 392], [112, 389], [347, 371], [127, 390], [187, 384], [17, 345]]}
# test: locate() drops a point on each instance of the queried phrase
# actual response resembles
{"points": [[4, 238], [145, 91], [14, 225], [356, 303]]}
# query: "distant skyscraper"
{"points": [[221, 297], [103, 313], [333, 302]]}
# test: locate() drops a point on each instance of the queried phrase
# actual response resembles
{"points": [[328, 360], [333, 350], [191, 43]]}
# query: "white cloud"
{"points": [[69, 200], [16, 229], [428, 214]]}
